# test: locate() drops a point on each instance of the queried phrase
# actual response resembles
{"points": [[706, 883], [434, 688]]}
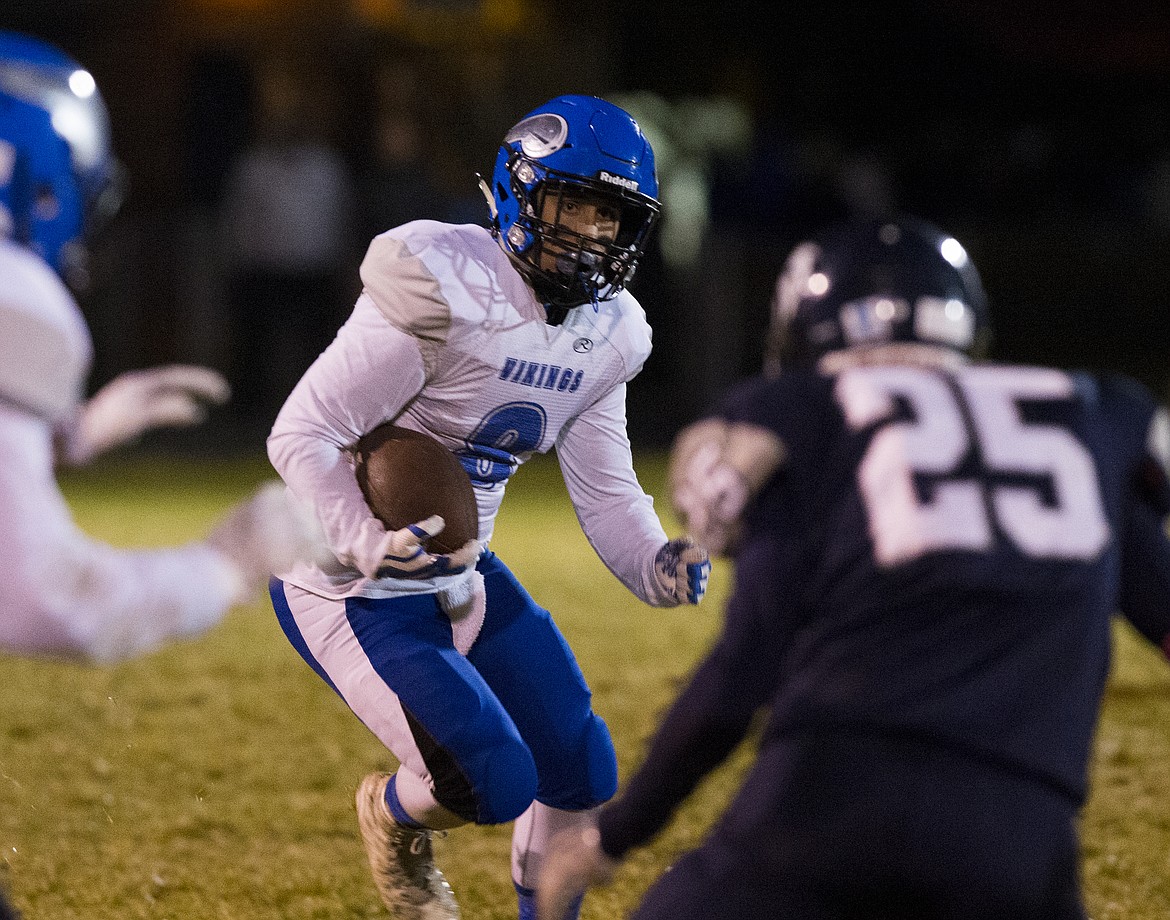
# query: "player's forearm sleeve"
{"points": [[94, 602], [65, 594], [712, 715], [365, 377], [615, 513], [699, 731], [1145, 575]]}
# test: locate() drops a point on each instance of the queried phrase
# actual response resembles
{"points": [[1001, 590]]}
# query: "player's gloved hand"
{"points": [[709, 497], [265, 534], [683, 567], [716, 468], [573, 863], [406, 555], [175, 395]]}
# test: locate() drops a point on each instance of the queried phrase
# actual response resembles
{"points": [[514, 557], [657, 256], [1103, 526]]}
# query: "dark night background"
{"points": [[1038, 134]]}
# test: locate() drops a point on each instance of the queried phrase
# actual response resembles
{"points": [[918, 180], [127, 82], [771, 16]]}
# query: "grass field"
{"points": [[214, 779]]}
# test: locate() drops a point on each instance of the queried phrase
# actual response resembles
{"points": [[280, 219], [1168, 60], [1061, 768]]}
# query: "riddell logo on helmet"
{"points": [[618, 180]]}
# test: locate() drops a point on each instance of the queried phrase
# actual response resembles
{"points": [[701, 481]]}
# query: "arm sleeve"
{"points": [[105, 604], [366, 376], [1144, 596], [1145, 575], [713, 714], [616, 515], [66, 595], [1152, 481]]}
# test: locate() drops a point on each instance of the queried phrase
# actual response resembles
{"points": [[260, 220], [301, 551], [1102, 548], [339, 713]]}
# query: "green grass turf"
{"points": [[214, 779]]}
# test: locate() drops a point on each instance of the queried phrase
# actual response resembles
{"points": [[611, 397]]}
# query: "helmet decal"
{"points": [[795, 282], [621, 181], [539, 135]]}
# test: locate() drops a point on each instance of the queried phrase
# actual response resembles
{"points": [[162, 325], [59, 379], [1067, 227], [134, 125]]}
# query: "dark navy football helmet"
{"points": [[582, 148], [58, 175], [875, 281]]}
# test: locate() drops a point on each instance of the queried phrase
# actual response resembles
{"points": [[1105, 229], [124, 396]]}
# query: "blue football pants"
{"points": [[510, 722]]}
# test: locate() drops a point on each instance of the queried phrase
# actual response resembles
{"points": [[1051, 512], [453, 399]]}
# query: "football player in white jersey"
{"points": [[500, 343], [62, 593]]}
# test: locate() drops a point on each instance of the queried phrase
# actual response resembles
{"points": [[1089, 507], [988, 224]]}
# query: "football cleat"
{"points": [[401, 859]]}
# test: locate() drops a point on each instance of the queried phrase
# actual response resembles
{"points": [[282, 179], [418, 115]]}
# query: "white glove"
{"points": [[709, 497], [135, 402], [265, 534], [682, 567], [716, 468], [574, 861], [405, 555]]}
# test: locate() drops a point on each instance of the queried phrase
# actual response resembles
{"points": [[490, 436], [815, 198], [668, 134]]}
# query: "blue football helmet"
{"points": [[574, 147], [58, 175], [873, 281]]}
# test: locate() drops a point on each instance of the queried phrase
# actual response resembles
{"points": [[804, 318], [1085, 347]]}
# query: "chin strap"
{"points": [[487, 196]]}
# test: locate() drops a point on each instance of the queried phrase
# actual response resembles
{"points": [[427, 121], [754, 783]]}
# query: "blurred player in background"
{"points": [[62, 593], [500, 344], [925, 578]]}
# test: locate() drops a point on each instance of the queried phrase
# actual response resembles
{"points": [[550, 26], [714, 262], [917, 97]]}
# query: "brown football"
{"points": [[406, 476]]}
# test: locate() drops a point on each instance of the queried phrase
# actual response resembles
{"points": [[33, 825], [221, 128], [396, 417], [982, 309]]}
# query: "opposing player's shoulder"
{"points": [[1134, 416], [1115, 392], [1125, 406], [786, 402]]}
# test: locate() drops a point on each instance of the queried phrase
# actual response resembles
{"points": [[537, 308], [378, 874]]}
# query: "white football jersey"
{"points": [[62, 593], [448, 338], [45, 346]]}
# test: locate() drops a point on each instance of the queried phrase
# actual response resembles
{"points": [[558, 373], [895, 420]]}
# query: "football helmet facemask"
{"points": [[573, 153], [59, 180], [868, 282]]}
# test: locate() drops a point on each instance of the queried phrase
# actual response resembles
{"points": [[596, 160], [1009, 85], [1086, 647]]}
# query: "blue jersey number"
{"points": [[493, 450]]}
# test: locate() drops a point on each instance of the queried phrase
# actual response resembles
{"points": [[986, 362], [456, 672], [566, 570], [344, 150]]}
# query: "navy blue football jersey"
{"points": [[939, 557], [957, 543]]}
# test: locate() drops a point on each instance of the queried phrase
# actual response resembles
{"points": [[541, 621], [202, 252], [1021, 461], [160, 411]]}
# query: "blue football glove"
{"points": [[406, 553], [683, 567]]}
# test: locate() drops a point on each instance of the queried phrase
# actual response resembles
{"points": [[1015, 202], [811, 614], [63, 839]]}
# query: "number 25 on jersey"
{"points": [[959, 513]]}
